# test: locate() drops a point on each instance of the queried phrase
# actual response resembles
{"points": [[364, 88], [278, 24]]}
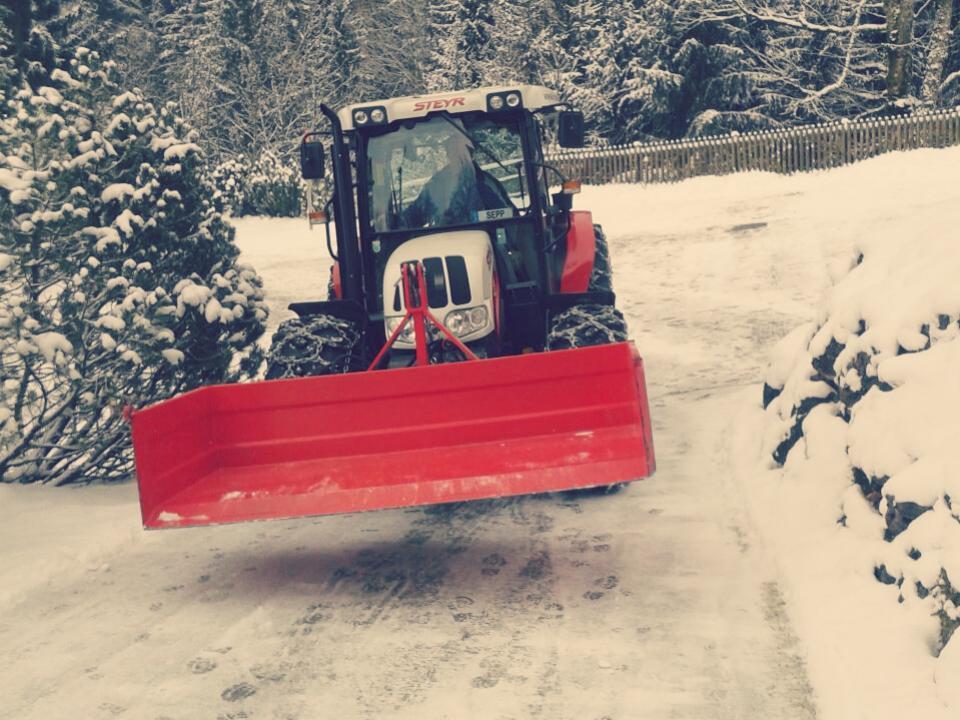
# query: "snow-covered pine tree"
{"points": [[31, 45], [461, 34], [584, 44], [120, 280], [182, 37], [624, 87], [187, 69], [643, 81], [547, 60], [107, 26], [339, 57], [513, 57], [8, 69], [391, 52], [718, 90]]}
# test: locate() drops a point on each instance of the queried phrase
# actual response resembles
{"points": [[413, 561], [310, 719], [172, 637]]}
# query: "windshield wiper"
{"points": [[480, 146], [476, 143], [400, 192]]}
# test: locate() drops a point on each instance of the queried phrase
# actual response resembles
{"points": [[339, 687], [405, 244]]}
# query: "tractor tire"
{"points": [[602, 276], [314, 345], [585, 326]]}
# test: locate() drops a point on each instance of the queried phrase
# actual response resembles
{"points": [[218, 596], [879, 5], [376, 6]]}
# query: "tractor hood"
{"points": [[459, 271]]}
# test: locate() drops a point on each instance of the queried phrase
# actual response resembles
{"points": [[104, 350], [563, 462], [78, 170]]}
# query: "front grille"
{"points": [[436, 282], [459, 280]]}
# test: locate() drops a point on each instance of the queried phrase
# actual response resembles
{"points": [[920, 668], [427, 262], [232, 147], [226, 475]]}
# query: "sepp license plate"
{"points": [[496, 214]]}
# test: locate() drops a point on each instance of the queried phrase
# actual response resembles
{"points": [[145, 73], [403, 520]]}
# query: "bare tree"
{"points": [[900, 20], [937, 53]]}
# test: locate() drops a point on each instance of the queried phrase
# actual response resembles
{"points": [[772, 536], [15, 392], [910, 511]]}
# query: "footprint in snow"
{"points": [[607, 583], [238, 692], [492, 564], [199, 666], [269, 673], [537, 567]]}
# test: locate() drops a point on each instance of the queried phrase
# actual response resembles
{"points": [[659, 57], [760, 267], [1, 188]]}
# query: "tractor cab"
{"points": [[458, 183], [444, 172]]}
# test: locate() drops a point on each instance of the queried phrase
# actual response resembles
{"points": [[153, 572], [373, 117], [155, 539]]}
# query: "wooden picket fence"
{"points": [[789, 150]]}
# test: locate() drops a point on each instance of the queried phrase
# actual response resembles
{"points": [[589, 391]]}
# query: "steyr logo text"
{"points": [[438, 104]]}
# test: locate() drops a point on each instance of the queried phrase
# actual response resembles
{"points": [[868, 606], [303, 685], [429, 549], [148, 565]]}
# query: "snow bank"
{"points": [[863, 413]]}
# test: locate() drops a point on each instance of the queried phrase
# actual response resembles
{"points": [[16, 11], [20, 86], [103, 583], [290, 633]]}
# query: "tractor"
{"points": [[469, 346]]}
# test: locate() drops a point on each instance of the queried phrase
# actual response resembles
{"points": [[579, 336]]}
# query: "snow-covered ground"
{"points": [[683, 596]]}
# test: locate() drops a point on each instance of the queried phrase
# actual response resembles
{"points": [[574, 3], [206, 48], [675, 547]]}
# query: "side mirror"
{"points": [[563, 201], [570, 131], [311, 157]]}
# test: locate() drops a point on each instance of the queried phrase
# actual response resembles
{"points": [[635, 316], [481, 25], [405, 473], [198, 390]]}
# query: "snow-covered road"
{"points": [[657, 602], [651, 604]]}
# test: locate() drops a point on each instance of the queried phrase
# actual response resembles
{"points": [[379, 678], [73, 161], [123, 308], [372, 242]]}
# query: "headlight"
{"points": [[502, 101], [408, 332], [457, 323], [374, 115], [465, 322]]}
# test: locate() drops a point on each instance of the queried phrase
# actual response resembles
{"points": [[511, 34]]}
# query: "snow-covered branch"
{"points": [[767, 14]]}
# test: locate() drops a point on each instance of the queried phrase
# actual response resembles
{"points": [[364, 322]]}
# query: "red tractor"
{"points": [[469, 346]]}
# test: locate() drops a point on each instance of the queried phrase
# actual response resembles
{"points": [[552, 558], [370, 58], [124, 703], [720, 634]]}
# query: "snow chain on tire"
{"points": [[602, 276], [585, 326], [314, 345]]}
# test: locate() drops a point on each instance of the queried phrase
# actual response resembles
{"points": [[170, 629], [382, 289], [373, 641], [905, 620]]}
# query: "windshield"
{"points": [[445, 171]]}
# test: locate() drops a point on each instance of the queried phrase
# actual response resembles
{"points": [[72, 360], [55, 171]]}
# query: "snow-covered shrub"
{"points": [[883, 366], [266, 186], [273, 188], [118, 278], [229, 181]]}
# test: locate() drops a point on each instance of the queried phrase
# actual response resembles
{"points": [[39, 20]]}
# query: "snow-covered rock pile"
{"points": [[266, 186], [873, 390], [118, 277]]}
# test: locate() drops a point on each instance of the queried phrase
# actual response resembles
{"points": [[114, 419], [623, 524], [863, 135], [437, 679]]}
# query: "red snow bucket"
{"points": [[394, 438]]}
